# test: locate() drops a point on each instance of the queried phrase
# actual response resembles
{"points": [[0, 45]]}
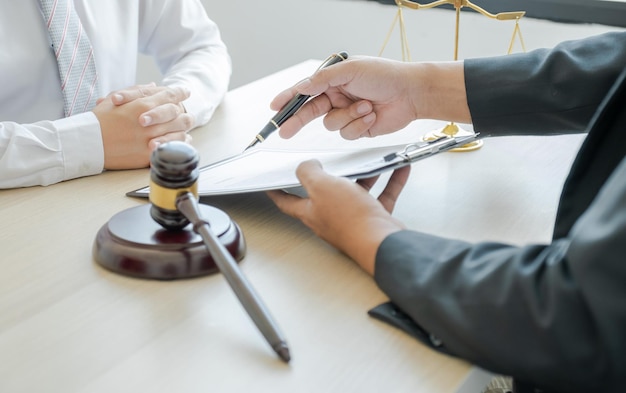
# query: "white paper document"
{"points": [[261, 169]]}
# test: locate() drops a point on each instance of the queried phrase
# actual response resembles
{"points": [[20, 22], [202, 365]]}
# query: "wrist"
{"points": [[365, 246], [439, 91]]}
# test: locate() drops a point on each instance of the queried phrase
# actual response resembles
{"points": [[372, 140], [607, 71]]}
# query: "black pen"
{"points": [[293, 105]]}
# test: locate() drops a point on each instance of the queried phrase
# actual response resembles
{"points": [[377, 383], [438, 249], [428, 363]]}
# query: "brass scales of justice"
{"points": [[451, 129]]}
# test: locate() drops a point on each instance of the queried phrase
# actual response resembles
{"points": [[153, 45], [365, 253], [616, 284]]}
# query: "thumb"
{"points": [[310, 173], [336, 75]]}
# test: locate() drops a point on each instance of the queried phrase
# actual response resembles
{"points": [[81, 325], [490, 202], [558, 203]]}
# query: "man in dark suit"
{"points": [[559, 308]]}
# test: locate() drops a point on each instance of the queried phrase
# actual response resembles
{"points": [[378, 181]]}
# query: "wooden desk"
{"points": [[67, 325]]}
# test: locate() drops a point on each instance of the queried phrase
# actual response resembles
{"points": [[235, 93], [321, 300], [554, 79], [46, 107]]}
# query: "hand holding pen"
{"points": [[293, 105]]}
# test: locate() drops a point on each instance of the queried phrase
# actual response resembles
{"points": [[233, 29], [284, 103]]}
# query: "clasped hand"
{"points": [[134, 121]]}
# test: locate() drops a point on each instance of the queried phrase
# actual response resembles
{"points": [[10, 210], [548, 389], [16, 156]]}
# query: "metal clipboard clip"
{"points": [[414, 151]]}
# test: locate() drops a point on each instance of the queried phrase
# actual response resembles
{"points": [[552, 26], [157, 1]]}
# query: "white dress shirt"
{"points": [[40, 147]]}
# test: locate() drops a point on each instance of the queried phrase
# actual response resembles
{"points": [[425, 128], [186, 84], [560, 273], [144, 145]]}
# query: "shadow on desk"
{"points": [[243, 204], [254, 209]]}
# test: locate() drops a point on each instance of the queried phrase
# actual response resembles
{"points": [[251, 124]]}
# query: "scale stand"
{"points": [[451, 129]]}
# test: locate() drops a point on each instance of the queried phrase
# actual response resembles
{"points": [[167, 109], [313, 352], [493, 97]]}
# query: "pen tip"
{"points": [[283, 352], [254, 142]]}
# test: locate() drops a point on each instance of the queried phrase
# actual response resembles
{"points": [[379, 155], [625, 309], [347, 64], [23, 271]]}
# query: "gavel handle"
{"points": [[188, 206]]}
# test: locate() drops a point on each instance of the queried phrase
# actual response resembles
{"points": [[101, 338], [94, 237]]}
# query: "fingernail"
{"points": [[369, 118], [118, 97], [147, 120], [303, 84], [363, 108]]}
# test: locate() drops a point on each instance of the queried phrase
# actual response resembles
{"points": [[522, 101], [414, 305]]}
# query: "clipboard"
{"points": [[262, 169]]}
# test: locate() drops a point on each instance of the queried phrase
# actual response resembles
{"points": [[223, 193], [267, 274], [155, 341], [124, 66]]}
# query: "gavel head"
{"points": [[174, 170]]}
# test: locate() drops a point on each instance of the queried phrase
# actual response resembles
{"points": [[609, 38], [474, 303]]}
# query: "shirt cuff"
{"points": [[81, 144], [201, 110]]}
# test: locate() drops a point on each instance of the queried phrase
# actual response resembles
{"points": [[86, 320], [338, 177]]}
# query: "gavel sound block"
{"points": [[133, 243], [160, 241]]}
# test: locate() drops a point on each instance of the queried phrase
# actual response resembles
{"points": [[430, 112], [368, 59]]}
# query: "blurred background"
{"points": [[264, 37]]}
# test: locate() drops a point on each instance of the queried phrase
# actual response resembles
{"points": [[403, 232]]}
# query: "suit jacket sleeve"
{"points": [[546, 91], [551, 315]]}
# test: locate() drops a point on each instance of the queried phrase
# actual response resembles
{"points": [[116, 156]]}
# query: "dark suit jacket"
{"points": [[550, 315]]}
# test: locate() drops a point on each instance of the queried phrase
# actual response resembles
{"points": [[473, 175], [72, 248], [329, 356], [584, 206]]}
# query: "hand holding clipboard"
{"points": [[264, 169]]}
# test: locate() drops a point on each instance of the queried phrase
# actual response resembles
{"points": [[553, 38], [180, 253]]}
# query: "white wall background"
{"points": [[266, 36]]}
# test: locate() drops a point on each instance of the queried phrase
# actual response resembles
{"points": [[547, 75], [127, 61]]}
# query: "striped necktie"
{"points": [[74, 55]]}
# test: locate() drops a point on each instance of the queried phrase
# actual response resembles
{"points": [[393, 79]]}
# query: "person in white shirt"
{"points": [[39, 146]]}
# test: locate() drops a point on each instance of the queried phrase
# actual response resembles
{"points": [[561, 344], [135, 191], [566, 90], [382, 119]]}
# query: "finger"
{"points": [[169, 95], [394, 187], [367, 183], [313, 109], [182, 123], [337, 119], [294, 205], [127, 95], [289, 204], [310, 173], [337, 75], [314, 86], [282, 99], [172, 136], [359, 128], [161, 114], [353, 121], [286, 95]]}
